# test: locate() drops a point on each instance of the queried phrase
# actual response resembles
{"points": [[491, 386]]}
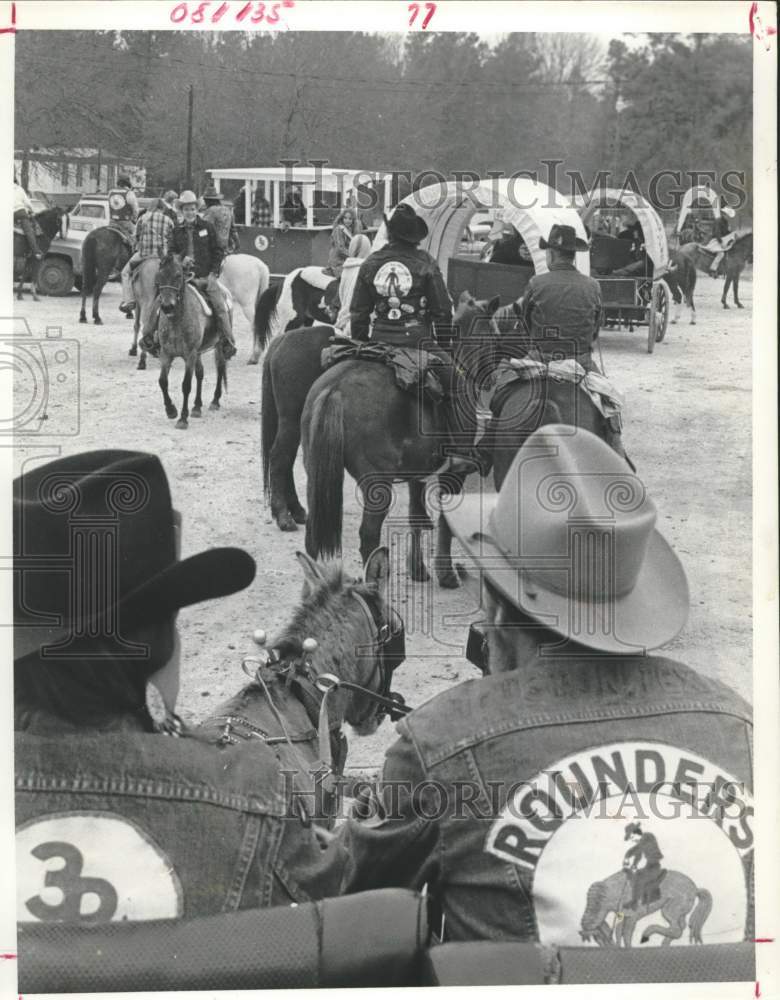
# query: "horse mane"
{"points": [[595, 894], [313, 617]]}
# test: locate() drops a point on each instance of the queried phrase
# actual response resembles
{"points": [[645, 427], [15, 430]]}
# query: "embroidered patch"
{"points": [[203, 232], [629, 843], [92, 868], [393, 280]]}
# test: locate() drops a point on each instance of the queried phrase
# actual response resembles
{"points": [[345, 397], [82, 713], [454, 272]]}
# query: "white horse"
{"points": [[246, 278]]}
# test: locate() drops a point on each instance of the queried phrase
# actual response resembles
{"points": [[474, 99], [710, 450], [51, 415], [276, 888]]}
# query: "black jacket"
{"points": [[205, 250]]}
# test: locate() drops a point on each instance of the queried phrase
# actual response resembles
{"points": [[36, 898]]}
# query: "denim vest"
{"points": [[141, 827], [552, 775]]}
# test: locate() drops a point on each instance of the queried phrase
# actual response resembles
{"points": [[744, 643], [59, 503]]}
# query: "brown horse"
{"points": [[51, 222], [103, 251], [185, 331], [732, 266], [356, 418], [354, 629]]}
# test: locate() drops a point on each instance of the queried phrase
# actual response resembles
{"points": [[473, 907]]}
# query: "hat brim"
{"points": [[651, 615], [579, 244], [202, 577]]}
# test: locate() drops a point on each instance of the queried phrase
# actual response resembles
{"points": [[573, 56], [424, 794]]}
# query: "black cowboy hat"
{"points": [[563, 238], [96, 553], [211, 194], [123, 181], [406, 225]]}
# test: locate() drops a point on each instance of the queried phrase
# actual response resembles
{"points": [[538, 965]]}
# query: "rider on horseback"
{"points": [[195, 238], [23, 217], [404, 288], [123, 208], [221, 218], [719, 232], [153, 234], [642, 860]]}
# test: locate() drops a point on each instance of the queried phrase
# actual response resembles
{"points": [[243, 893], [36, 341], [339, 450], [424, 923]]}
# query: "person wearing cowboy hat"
{"points": [[195, 239], [403, 289], [145, 818], [221, 218], [720, 230], [501, 792]]}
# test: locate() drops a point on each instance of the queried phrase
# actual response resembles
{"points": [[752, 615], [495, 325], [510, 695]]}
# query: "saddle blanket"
{"points": [[412, 367], [207, 310], [605, 396], [725, 244]]}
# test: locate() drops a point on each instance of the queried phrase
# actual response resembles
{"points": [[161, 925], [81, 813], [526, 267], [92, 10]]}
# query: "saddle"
{"points": [[413, 368], [204, 302], [606, 398], [713, 246]]}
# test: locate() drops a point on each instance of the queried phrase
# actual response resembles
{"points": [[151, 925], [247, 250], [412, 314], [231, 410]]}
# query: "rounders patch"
{"points": [[92, 868], [393, 278], [261, 242]]}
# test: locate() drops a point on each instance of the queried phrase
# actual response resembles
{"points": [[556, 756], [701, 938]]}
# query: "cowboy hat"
{"points": [[570, 540], [188, 198], [211, 194], [404, 224], [95, 544], [562, 238]]}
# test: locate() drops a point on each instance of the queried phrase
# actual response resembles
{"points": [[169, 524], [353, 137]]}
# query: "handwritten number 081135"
{"points": [[414, 10], [255, 10]]}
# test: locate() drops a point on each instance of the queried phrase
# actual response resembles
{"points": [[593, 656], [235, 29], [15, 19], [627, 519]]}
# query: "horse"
{"points": [[291, 367], [681, 279], [185, 331], [307, 295], [246, 278], [356, 418], [518, 408], [732, 265], [145, 292], [358, 638], [103, 251], [678, 895], [51, 222]]}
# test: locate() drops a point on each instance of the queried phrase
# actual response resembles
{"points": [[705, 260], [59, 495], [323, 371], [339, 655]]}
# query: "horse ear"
{"points": [[377, 569], [312, 571], [494, 303]]}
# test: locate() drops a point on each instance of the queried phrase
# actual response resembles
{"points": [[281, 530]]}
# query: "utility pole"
{"points": [[189, 136]]}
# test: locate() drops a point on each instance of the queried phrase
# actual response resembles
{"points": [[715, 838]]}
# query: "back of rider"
{"points": [[144, 826], [510, 796], [561, 311], [403, 286]]}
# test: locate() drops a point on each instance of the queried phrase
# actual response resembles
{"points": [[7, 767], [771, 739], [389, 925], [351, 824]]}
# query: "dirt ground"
{"points": [[687, 428]]}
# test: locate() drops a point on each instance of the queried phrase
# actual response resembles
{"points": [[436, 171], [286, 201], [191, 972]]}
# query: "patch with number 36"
{"points": [[92, 868]]}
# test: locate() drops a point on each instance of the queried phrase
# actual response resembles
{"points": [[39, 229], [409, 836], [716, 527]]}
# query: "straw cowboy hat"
{"points": [[562, 238], [188, 198], [112, 511], [570, 540]]}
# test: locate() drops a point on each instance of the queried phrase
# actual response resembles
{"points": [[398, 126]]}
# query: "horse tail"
{"points": [[325, 470], [265, 309], [269, 422], [88, 264], [699, 915]]}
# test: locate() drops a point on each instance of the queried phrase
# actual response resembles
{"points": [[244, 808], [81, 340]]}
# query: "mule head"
{"points": [[359, 636], [170, 282]]}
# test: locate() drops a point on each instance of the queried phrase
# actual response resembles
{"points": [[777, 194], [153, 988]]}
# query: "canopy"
{"points": [[700, 191], [652, 227], [530, 207]]}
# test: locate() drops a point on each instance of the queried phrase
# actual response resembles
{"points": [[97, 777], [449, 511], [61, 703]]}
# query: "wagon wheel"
{"points": [[658, 318], [663, 295]]}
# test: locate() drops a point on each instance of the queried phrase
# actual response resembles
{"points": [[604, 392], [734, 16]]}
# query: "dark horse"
{"points": [[693, 256], [356, 418], [352, 625], [186, 330], [293, 303], [51, 222], [103, 251]]}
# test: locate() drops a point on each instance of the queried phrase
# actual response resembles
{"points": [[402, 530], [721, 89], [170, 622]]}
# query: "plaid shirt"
{"points": [[261, 214], [153, 233]]}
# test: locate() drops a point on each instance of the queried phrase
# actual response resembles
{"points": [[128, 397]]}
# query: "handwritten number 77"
{"points": [[414, 9]]}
